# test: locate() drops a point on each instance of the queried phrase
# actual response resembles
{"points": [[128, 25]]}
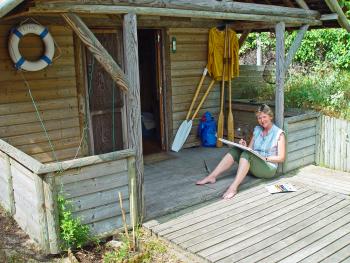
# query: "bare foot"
{"points": [[206, 180], [230, 193]]}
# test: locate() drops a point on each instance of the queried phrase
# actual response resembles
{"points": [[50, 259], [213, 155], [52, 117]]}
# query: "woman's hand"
{"points": [[242, 142]]}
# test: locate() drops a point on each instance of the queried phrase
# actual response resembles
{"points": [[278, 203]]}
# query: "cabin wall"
{"points": [[54, 91], [186, 67]]}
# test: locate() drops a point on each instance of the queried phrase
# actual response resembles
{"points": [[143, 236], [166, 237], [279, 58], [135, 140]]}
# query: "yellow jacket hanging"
{"points": [[216, 53]]}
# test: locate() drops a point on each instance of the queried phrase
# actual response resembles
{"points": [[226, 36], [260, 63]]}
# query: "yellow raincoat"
{"points": [[216, 53]]}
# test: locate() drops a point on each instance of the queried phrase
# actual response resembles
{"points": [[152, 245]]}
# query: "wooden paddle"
{"points": [[230, 123], [220, 133]]}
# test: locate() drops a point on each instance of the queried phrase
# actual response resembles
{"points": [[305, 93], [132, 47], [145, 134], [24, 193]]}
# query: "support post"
{"points": [[10, 205], [279, 94], [97, 50], [52, 215], [133, 104]]}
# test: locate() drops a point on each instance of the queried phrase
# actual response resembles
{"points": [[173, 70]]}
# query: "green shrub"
{"points": [[72, 233]]}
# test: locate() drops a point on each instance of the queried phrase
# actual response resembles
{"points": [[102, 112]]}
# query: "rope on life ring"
{"points": [[18, 59]]}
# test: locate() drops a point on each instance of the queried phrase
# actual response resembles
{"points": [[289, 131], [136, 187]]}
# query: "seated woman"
{"points": [[268, 140]]}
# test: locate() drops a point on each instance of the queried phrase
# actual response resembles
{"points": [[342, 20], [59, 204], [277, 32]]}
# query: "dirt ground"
{"points": [[17, 247]]}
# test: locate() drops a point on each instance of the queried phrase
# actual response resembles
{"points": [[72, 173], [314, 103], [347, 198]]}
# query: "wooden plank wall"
{"points": [[93, 193], [29, 202], [334, 146], [301, 142], [54, 90], [186, 66], [6, 193]]}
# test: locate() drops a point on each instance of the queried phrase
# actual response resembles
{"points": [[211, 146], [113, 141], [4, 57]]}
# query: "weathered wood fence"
{"points": [[29, 190], [334, 146], [302, 138]]}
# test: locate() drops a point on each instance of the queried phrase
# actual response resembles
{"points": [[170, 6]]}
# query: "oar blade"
{"points": [[177, 143], [183, 134]]}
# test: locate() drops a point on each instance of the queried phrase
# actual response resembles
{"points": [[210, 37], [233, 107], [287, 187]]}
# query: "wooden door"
{"points": [[105, 99]]}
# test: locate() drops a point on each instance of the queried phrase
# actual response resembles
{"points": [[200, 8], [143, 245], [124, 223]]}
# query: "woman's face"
{"points": [[264, 120]]}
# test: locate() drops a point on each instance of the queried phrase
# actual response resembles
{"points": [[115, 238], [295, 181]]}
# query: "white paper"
{"points": [[244, 148], [280, 188]]}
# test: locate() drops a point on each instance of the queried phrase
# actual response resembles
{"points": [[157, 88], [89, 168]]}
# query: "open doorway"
{"points": [[151, 83]]}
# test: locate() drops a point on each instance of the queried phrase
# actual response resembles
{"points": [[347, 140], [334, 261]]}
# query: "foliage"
{"points": [[321, 88], [345, 4], [331, 46], [119, 255], [72, 233]]}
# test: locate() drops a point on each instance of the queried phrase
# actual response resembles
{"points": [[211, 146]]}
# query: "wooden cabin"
{"points": [[120, 83]]}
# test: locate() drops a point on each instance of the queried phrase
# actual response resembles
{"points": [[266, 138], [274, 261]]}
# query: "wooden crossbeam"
{"points": [[295, 46], [302, 4], [335, 8], [97, 50], [198, 5], [172, 12]]}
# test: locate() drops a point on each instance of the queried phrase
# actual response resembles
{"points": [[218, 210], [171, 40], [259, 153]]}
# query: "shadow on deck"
{"points": [[170, 183]]}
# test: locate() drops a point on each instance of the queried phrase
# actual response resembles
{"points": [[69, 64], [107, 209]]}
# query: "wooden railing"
{"points": [[29, 190]]}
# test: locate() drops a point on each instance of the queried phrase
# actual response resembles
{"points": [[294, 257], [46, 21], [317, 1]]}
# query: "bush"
{"points": [[72, 233]]}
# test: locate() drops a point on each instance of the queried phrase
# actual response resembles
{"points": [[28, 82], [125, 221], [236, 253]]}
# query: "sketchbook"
{"points": [[280, 188], [244, 148]]}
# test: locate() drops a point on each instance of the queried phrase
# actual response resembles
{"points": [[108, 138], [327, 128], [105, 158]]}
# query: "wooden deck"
{"points": [[170, 183], [310, 225]]}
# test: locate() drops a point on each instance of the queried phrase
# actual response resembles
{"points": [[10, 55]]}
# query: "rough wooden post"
{"points": [[10, 206], [319, 140], [134, 215], [50, 194], [133, 102], [283, 168], [44, 240], [279, 94]]}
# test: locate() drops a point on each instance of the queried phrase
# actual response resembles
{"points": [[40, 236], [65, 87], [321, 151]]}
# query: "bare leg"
{"points": [[223, 165], [243, 168]]}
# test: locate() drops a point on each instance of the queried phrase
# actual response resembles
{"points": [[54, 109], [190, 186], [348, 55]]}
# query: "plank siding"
{"points": [[301, 142], [93, 193], [186, 67], [55, 93]]}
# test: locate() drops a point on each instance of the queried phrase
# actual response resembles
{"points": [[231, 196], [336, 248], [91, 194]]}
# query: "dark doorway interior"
{"points": [[151, 95]]}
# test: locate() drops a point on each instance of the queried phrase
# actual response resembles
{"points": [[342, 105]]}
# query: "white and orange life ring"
{"points": [[18, 59]]}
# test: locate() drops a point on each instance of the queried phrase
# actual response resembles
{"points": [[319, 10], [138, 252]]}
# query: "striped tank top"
{"points": [[266, 145]]}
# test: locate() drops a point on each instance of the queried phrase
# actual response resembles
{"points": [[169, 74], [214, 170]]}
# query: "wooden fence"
{"points": [[334, 146], [302, 138], [29, 190]]}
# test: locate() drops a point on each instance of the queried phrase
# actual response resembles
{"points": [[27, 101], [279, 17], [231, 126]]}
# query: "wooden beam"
{"points": [[302, 4], [97, 50], [7, 5], [279, 93], [327, 17], [243, 37], [225, 6], [335, 8], [295, 46], [154, 11], [133, 102]]}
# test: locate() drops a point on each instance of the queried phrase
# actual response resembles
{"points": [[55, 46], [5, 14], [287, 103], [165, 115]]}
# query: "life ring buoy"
{"points": [[18, 59]]}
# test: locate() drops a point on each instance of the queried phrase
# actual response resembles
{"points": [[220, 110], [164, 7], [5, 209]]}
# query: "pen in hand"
{"points": [[242, 142]]}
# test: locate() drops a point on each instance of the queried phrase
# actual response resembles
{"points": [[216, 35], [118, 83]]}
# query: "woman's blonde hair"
{"points": [[265, 109]]}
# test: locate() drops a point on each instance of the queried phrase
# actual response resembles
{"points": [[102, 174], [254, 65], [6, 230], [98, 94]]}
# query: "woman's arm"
{"points": [[281, 144]]}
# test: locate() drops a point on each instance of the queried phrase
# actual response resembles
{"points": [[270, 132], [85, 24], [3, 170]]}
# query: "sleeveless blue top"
{"points": [[266, 145]]}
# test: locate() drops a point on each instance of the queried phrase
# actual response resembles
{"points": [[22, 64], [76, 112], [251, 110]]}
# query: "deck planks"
{"points": [[310, 225]]}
